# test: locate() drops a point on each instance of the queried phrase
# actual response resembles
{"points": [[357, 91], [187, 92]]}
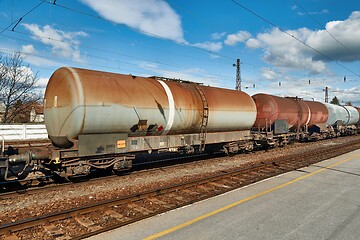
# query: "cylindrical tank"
{"points": [[298, 113], [271, 108], [79, 101], [336, 113], [319, 113], [353, 115], [358, 109]]}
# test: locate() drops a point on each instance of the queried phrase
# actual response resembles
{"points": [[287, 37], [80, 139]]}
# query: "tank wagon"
{"points": [[101, 120], [343, 119], [280, 120]]}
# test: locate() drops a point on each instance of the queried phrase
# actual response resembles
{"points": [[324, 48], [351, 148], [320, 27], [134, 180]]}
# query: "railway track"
{"points": [[85, 221]]}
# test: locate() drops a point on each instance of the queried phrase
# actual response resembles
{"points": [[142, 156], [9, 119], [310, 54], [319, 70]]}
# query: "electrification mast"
{"points": [[326, 94], [238, 75]]}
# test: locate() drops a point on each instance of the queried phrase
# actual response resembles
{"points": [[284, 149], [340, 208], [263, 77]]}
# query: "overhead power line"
{"points": [[101, 50], [220, 77], [139, 30], [208, 76], [294, 37], [100, 18], [17, 21], [320, 25]]}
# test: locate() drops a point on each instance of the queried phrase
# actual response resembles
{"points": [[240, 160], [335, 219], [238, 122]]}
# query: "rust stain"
{"points": [[228, 100]]}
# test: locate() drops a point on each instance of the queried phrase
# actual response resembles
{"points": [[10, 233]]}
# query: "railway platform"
{"points": [[321, 201]]}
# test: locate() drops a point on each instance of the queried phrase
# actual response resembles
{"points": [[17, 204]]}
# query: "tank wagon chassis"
{"points": [[117, 151]]}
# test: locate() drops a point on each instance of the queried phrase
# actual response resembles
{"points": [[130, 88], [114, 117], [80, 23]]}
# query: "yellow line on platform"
{"points": [[185, 224]]}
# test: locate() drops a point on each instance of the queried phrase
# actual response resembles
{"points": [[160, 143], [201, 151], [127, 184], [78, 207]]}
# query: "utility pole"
{"points": [[238, 75], [326, 94]]}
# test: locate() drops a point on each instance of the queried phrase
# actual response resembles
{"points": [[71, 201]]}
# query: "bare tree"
{"points": [[17, 86]]}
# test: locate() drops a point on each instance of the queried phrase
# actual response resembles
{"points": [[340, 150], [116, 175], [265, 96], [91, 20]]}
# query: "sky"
{"points": [[286, 47]]}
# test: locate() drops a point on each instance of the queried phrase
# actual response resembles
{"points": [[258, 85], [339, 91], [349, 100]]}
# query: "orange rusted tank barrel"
{"points": [[297, 113], [271, 108], [79, 101], [319, 113]]}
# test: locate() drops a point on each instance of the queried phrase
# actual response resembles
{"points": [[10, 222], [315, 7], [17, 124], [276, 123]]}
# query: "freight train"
{"points": [[101, 120]]}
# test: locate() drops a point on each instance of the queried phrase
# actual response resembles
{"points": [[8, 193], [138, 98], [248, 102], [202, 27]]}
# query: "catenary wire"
{"points": [[294, 37], [319, 24]]}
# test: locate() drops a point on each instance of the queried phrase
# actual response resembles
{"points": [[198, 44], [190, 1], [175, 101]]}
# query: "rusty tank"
{"points": [[318, 113], [79, 101], [297, 113], [271, 108]]}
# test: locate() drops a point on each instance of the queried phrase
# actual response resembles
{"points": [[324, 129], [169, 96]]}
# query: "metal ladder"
{"points": [[205, 118]]}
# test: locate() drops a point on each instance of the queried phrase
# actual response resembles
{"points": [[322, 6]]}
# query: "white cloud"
{"points": [[151, 16], [65, 44], [210, 46], [269, 74], [29, 54], [324, 11], [298, 86], [149, 65], [253, 43], [191, 74], [213, 56], [40, 61], [217, 36], [42, 82], [285, 52], [282, 51], [233, 39], [347, 32], [28, 49]]}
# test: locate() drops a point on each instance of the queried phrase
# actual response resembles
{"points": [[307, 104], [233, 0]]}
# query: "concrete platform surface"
{"points": [[317, 202]]}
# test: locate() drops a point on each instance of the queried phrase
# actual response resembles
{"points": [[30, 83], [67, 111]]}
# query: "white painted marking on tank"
{"points": [[308, 120], [348, 115], [81, 102], [171, 107], [55, 101]]}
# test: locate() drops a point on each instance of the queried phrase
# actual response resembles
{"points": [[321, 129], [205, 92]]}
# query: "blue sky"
{"points": [[282, 44]]}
